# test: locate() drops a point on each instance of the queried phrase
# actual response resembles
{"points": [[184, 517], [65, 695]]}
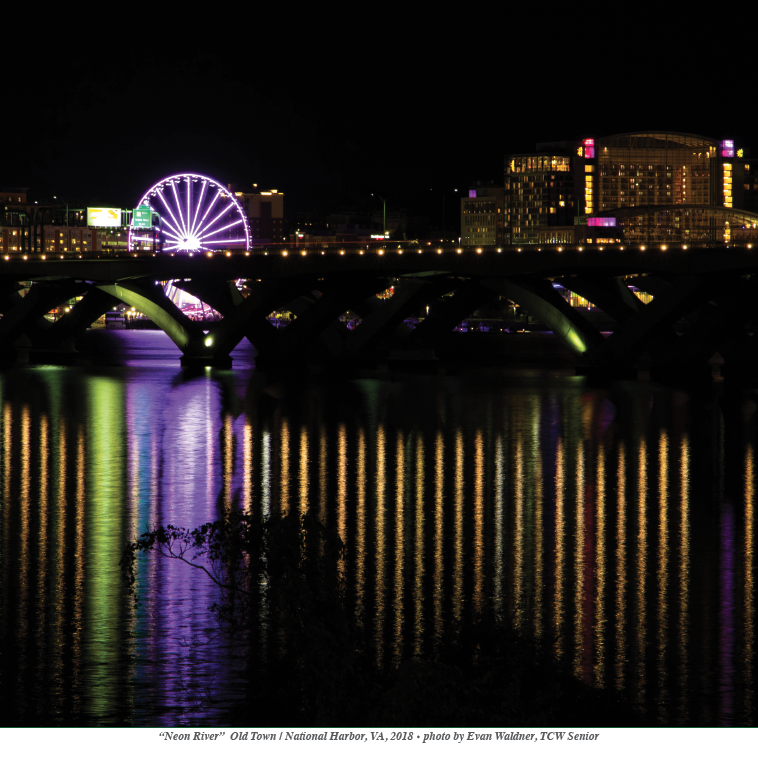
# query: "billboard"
{"points": [[104, 217], [142, 217]]}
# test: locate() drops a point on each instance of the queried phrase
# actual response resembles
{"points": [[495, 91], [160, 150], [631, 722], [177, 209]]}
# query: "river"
{"points": [[616, 522]]}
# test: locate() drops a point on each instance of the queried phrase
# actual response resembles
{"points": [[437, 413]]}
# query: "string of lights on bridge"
{"points": [[378, 251]]}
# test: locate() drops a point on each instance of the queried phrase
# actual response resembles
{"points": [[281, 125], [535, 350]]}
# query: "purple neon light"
{"points": [[190, 221], [601, 222], [727, 148]]}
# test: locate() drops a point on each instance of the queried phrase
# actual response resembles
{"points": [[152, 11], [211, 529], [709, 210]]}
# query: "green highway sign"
{"points": [[142, 217]]}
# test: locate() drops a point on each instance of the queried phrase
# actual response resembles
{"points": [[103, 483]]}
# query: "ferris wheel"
{"points": [[191, 213]]}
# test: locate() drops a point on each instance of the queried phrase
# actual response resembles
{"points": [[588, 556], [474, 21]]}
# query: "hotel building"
{"points": [[641, 187]]}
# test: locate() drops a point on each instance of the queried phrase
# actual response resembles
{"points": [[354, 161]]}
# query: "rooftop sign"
{"points": [[107, 217]]}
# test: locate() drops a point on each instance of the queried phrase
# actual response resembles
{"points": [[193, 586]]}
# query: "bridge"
{"points": [[712, 290]]}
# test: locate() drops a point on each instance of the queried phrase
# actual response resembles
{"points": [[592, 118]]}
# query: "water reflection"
{"points": [[575, 513]]}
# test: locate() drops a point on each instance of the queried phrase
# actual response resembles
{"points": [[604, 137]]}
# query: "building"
{"points": [[265, 214], [50, 240], [483, 216], [343, 234], [649, 187]]}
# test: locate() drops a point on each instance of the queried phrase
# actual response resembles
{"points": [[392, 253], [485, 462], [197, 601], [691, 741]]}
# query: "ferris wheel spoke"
{"points": [[172, 231], [179, 208], [198, 206], [218, 217], [223, 228], [168, 208], [205, 215], [171, 239], [189, 202]]}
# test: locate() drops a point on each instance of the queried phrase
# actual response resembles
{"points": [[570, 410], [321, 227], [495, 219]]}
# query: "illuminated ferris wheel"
{"points": [[189, 213]]}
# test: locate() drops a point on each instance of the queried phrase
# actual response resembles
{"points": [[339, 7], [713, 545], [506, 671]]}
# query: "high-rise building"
{"points": [[483, 218], [265, 213], [651, 187]]}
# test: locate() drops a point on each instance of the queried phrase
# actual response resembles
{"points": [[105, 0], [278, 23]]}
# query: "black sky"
{"points": [[329, 107]]}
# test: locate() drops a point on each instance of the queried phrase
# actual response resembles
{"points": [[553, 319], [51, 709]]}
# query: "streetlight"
{"points": [[384, 213], [68, 238], [443, 210], [55, 197]]}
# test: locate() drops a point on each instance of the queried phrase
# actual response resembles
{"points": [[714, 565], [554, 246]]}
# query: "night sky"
{"points": [[329, 107]]}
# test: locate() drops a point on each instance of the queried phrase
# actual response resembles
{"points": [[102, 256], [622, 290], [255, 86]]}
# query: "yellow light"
{"points": [[580, 249], [360, 252], [663, 246], [247, 254], [43, 257], [209, 341], [560, 249], [228, 254], [303, 253], [439, 252], [381, 252], [285, 253], [479, 251], [210, 255], [643, 247], [25, 258], [7, 257], [342, 252]]}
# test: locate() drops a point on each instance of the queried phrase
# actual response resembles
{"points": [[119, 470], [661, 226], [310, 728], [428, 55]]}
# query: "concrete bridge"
{"points": [[710, 294]]}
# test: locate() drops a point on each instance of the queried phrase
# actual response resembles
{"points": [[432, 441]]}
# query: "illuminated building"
{"points": [[483, 216], [265, 213], [659, 187]]}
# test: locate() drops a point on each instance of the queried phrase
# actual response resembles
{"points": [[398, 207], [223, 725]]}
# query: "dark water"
{"points": [[618, 523]]}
